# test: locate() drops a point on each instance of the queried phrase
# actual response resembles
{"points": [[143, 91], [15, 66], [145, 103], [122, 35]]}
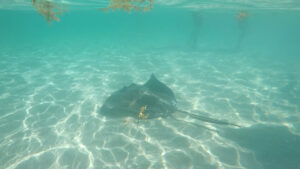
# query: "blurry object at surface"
{"points": [[242, 15], [129, 5], [50, 10], [242, 18]]}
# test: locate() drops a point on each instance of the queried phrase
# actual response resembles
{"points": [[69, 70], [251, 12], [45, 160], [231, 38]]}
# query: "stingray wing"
{"points": [[160, 90], [122, 103]]}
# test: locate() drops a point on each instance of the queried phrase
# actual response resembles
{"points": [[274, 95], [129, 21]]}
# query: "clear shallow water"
{"points": [[54, 79]]}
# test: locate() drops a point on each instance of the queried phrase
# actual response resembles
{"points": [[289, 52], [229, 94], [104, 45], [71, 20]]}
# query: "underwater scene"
{"points": [[149, 84]]}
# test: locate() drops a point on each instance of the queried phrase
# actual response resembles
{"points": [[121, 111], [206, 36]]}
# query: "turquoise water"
{"points": [[54, 79]]}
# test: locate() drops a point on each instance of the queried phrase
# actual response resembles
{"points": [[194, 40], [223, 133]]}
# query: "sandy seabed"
{"points": [[50, 101]]}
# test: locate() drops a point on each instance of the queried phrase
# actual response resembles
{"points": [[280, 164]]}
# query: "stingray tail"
{"points": [[209, 120]]}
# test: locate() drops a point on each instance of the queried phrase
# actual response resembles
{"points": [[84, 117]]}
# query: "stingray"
{"points": [[153, 99]]}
